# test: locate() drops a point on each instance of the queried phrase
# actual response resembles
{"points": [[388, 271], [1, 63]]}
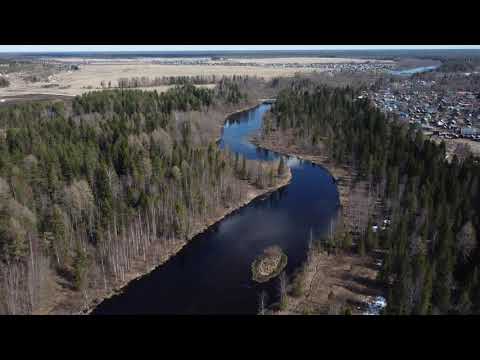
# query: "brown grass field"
{"points": [[93, 71]]}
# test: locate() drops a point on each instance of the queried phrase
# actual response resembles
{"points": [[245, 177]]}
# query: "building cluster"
{"points": [[324, 67], [447, 113], [376, 68], [372, 67], [183, 61]]}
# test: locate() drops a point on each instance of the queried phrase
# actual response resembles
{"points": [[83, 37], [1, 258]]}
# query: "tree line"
{"points": [[466, 64], [145, 81]]}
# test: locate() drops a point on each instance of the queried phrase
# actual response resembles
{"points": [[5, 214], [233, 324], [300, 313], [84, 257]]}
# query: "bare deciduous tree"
{"points": [[466, 240], [262, 303], [462, 151], [282, 287]]}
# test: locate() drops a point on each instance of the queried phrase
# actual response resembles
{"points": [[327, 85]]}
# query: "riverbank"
{"points": [[62, 300], [342, 174], [331, 282], [334, 284], [251, 194]]}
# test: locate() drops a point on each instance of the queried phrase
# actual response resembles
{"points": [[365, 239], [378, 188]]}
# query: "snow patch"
{"points": [[375, 306]]}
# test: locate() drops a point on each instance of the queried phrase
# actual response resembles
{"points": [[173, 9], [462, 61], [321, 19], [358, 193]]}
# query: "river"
{"points": [[212, 273], [407, 72]]}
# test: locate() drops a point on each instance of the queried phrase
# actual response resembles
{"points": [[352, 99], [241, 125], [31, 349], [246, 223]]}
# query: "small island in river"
{"points": [[269, 264]]}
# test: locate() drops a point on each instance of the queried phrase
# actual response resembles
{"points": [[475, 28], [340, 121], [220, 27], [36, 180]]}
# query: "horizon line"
{"points": [[27, 49]]}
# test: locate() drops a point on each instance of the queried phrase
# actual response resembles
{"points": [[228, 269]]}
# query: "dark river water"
{"points": [[212, 274]]}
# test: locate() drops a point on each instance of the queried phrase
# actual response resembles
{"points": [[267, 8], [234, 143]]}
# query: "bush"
{"points": [[283, 303], [347, 241], [266, 257], [298, 284], [4, 82], [347, 311]]}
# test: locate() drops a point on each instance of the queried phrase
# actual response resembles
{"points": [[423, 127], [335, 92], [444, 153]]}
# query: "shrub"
{"points": [[4, 82]]}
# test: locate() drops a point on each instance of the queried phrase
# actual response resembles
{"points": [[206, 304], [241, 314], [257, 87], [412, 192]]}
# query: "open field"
{"points": [[93, 72], [451, 145], [89, 78], [259, 61]]}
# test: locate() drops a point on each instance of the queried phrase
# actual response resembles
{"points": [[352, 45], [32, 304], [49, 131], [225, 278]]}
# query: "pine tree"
{"points": [[281, 167], [361, 246], [80, 268], [104, 199], [244, 172], [271, 177], [425, 306], [59, 234]]}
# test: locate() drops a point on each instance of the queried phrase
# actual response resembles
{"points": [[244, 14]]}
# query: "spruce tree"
{"points": [[281, 167], [80, 268]]}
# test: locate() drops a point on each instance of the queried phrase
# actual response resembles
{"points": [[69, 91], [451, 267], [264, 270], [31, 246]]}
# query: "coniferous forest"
{"points": [[431, 254], [88, 187]]}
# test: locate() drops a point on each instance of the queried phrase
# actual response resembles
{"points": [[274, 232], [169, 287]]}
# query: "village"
{"points": [[377, 67], [446, 114]]}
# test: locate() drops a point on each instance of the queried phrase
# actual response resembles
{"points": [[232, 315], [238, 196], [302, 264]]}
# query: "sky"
{"points": [[66, 48]]}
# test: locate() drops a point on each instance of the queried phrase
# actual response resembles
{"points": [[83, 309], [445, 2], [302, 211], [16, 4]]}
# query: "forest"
{"points": [[430, 251], [88, 187], [467, 64]]}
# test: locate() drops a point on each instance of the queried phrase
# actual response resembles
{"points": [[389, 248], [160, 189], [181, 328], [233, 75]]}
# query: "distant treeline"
{"points": [[144, 81], [33, 71]]}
